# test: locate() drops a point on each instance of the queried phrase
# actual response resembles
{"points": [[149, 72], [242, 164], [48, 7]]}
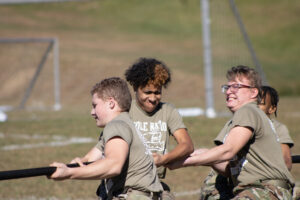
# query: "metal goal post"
{"points": [[53, 45]]}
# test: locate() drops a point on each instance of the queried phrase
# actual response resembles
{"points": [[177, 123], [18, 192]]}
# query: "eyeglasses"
{"points": [[234, 87]]}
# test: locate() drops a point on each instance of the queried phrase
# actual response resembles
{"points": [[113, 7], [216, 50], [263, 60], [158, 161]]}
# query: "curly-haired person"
{"points": [[157, 120]]}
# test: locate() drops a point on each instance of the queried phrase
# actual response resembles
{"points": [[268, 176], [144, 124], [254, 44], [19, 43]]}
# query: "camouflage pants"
{"points": [[216, 187], [219, 187], [263, 191]]}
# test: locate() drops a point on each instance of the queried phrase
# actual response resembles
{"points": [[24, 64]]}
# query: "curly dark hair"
{"points": [[273, 96], [148, 71]]}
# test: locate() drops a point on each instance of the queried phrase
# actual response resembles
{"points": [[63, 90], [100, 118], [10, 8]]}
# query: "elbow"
{"points": [[189, 148], [288, 164], [113, 168], [228, 154], [289, 167]]}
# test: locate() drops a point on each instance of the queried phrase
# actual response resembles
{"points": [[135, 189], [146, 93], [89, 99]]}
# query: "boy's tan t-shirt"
{"points": [[139, 170]]}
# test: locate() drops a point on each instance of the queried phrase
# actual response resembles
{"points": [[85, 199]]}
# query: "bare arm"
{"points": [[235, 141], [286, 151], [220, 167], [93, 155], [108, 167], [183, 149]]}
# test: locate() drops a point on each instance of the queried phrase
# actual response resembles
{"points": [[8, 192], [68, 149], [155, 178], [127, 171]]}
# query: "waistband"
{"points": [[152, 195], [281, 183]]}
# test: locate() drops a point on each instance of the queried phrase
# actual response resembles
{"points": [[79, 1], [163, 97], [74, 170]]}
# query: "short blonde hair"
{"points": [[116, 88]]}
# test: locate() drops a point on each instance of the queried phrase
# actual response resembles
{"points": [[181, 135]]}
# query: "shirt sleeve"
{"points": [[248, 118], [100, 144], [222, 134], [175, 120], [117, 128], [284, 136]]}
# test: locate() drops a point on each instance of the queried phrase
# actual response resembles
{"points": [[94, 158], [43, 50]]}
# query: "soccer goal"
{"points": [[225, 44], [29, 77]]}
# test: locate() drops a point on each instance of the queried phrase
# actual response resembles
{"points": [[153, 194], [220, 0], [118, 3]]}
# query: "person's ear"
{"points": [[272, 109], [111, 103], [254, 93]]}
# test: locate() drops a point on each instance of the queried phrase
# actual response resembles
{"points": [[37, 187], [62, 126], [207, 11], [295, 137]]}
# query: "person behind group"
{"points": [[247, 144], [120, 154], [269, 104], [217, 186], [157, 120]]}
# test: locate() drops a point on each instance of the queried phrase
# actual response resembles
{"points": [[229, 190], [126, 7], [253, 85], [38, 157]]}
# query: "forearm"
{"points": [[107, 167], [182, 150], [100, 169], [286, 151], [210, 157], [222, 168], [92, 155], [179, 152]]}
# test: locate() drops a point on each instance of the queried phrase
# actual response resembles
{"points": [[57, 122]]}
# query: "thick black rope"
{"points": [[31, 172], [47, 171], [295, 159]]}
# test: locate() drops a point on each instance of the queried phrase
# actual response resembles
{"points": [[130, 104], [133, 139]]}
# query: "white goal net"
{"points": [[29, 73]]}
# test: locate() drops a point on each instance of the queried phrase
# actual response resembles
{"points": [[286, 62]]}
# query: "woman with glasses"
{"points": [[247, 147]]}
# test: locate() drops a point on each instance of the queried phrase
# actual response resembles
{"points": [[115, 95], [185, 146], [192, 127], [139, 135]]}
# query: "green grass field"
{"points": [[99, 39]]}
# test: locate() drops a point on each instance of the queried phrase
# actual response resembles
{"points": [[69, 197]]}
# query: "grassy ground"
{"points": [[102, 38]]}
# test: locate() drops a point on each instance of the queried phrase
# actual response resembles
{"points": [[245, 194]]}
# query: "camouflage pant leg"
{"points": [[167, 195], [216, 187], [296, 194], [258, 192]]}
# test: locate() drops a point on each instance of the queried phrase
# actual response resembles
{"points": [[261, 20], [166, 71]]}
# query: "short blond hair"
{"points": [[116, 88]]}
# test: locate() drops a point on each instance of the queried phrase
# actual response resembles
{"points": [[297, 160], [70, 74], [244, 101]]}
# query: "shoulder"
{"points": [[167, 106], [169, 110], [248, 110], [119, 125], [283, 133], [250, 115], [279, 126]]}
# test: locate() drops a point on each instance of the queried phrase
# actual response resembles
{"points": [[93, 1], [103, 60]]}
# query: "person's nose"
{"points": [[92, 111], [152, 97], [228, 91]]}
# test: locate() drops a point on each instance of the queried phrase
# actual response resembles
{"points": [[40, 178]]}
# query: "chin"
{"points": [[100, 125], [230, 107], [149, 110]]}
